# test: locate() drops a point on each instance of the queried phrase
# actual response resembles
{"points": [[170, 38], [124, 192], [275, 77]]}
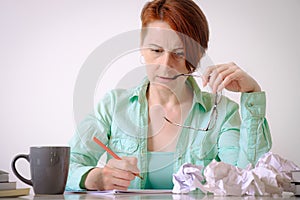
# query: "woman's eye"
{"points": [[157, 50], [179, 54]]}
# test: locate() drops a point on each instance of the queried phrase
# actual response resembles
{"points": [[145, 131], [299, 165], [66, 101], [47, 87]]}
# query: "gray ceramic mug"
{"points": [[49, 167]]}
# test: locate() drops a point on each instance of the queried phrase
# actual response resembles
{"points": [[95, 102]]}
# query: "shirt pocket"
{"points": [[124, 146]]}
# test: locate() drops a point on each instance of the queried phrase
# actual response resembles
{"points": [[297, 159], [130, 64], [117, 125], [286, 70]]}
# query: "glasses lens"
{"points": [[217, 98], [213, 119]]}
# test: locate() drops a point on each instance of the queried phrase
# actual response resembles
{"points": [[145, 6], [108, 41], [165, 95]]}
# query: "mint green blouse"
{"points": [[160, 170], [120, 120]]}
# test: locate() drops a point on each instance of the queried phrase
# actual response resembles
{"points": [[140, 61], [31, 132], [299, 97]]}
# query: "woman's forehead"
{"points": [[160, 33]]}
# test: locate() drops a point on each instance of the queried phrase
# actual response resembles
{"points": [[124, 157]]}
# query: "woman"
{"points": [[167, 121]]}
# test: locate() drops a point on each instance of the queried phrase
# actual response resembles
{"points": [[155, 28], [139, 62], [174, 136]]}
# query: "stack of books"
{"points": [[296, 182], [9, 189]]}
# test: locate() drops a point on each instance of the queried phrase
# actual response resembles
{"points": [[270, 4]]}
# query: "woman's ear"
{"points": [[142, 58]]}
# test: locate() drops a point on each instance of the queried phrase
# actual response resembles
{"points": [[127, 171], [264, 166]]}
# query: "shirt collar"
{"points": [[139, 92]]}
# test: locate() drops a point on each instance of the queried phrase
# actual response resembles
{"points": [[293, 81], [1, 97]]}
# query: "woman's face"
{"points": [[163, 52]]}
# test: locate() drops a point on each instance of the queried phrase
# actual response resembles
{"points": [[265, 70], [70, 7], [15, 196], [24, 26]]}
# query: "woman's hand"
{"points": [[116, 174], [229, 76]]}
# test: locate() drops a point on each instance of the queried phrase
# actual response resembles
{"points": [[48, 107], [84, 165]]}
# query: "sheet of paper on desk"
{"points": [[129, 191]]}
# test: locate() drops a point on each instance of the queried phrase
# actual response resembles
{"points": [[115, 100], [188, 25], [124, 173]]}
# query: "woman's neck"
{"points": [[161, 95], [175, 105]]}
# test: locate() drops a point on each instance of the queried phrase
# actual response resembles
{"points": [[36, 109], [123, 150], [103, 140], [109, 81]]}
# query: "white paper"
{"points": [[271, 175], [129, 191], [188, 178]]}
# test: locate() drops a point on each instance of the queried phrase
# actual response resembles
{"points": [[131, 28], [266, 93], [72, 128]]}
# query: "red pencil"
{"points": [[111, 153]]}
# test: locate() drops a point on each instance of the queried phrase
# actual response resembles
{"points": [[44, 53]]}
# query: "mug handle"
{"points": [[14, 169]]}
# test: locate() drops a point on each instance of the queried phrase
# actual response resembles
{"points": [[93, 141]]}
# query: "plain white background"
{"points": [[43, 45]]}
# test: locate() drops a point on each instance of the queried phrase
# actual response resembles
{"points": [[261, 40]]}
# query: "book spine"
{"points": [[8, 186]]}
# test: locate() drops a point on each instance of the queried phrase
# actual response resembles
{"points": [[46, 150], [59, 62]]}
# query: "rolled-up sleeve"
{"points": [[244, 139], [255, 138], [85, 153]]}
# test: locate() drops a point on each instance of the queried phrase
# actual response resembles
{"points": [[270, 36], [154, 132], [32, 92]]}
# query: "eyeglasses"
{"points": [[212, 119]]}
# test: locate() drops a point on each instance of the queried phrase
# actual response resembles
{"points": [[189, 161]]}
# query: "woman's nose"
{"points": [[166, 59]]}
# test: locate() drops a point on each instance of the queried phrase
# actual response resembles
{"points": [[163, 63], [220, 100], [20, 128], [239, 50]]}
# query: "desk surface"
{"points": [[191, 196]]}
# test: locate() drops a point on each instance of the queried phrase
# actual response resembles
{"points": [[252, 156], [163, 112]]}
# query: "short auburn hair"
{"points": [[183, 16]]}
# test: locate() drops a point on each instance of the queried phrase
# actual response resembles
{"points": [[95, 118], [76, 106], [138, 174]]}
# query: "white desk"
{"points": [[191, 196]]}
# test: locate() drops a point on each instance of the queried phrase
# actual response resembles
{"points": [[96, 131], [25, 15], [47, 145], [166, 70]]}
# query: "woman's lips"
{"points": [[165, 78]]}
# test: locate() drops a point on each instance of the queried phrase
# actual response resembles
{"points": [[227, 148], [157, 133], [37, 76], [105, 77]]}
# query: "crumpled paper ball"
{"points": [[271, 175]]}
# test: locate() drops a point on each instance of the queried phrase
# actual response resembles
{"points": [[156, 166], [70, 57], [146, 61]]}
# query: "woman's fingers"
{"points": [[224, 77], [121, 179], [214, 76], [126, 164], [218, 75], [123, 175], [229, 76], [114, 178], [116, 174]]}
